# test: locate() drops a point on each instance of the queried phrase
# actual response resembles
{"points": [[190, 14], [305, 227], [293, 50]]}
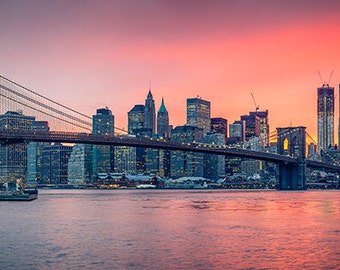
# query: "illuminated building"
{"points": [[264, 126], [219, 125], [13, 157], [55, 164], [102, 155], [237, 132], [253, 125], [136, 119], [325, 117], [125, 159], [198, 114], [80, 165], [34, 154], [184, 163], [214, 165]]}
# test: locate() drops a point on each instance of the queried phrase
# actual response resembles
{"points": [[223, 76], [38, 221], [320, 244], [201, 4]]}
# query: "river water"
{"points": [[172, 229]]}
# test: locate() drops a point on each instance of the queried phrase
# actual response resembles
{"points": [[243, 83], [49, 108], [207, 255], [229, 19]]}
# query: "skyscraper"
{"points": [[253, 125], [198, 113], [264, 126], [136, 119], [325, 117], [103, 123], [150, 113], [186, 163], [163, 121]]}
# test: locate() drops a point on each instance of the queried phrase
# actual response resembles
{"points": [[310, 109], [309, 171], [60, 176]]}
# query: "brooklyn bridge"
{"points": [[67, 125]]}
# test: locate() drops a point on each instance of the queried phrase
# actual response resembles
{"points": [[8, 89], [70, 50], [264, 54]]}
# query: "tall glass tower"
{"points": [[102, 123], [150, 113], [325, 117], [198, 114]]}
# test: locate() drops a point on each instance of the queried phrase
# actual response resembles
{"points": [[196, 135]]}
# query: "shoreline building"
{"points": [[13, 157], [55, 164], [198, 114], [325, 105], [80, 165], [102, 155], [35, 154]]}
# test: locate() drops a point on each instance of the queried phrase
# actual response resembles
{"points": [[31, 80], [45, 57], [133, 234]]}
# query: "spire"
{"points": [[162, 108]]}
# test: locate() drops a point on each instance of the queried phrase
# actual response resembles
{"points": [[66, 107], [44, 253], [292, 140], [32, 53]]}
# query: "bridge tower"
{"points": [[292, 141]]}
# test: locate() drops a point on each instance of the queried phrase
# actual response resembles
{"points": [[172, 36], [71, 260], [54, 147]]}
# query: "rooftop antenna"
{"points": [[330, 77], [149, 85], [322, 81]]}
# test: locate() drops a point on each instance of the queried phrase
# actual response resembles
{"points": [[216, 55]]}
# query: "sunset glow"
{"points": [[91, 54]]}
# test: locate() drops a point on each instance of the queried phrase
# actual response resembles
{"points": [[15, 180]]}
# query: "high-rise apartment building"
{"points": [[102, 155], [325, 117], [163, 121], [13, 157], [150, 113], [198, 114]]}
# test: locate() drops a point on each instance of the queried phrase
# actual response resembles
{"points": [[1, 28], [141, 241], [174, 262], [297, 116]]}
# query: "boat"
{"points": [[13, 192], [145, 186]]}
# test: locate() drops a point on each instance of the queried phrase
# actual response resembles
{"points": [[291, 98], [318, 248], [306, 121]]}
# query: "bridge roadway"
{"points": [[9, 137]]}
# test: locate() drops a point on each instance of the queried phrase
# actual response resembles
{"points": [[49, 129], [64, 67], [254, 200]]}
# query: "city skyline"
{"points": [[90, 55]]}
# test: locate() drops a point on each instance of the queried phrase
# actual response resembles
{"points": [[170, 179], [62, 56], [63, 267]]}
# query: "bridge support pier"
{"points": [[292, 176], [292, 142]]}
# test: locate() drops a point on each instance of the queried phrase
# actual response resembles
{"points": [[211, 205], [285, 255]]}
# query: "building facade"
{"points": [[150, 113], [325, 117], [214, 165], [163, 121], [220, 125], [183, 163], [13, 157], [80, 165], [136, 119], [102, 155], [198, 114], [55, 164], [264, 126], [35, 154]]}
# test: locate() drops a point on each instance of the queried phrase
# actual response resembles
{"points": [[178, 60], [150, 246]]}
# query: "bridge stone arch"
{"points": [[291, 141]]}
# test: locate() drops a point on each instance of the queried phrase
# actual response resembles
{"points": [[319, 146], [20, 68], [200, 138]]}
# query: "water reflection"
{"points": [[172, 230]]}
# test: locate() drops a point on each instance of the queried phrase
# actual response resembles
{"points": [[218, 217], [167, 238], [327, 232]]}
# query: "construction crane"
{"points": [[257, 107]]}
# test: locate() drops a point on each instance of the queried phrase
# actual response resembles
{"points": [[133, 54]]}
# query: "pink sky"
{"points": [[91, 54]]}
